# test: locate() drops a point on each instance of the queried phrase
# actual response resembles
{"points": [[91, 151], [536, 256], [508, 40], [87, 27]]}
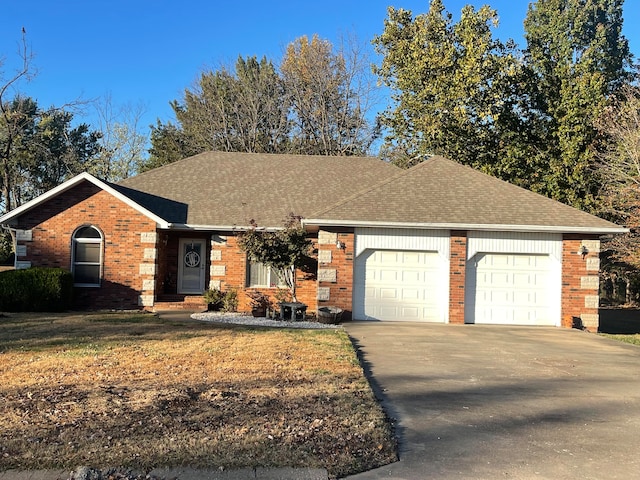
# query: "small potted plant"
{"points": [[214, 299], [260, 303]]}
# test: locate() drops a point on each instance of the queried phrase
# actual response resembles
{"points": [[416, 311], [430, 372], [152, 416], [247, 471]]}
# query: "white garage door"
{"points": [[513, 289], [397, 285]]}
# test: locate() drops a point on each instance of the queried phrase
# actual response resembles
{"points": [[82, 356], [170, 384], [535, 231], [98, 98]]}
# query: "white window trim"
{"points": [[99, 241]]}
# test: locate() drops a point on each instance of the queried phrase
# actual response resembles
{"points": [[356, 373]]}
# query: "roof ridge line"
{"points": [[400, 174]]}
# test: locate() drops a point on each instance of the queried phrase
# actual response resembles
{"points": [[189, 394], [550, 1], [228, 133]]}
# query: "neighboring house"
{"points": [[439, 242]]}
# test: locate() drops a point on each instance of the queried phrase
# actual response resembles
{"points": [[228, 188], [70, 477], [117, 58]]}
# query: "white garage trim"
{"points": [[513, 242], [521, 272], [401, 274], [402, 239]]}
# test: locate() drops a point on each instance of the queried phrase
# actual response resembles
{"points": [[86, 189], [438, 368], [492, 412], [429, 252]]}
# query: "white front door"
{"points": [[191, 265]]}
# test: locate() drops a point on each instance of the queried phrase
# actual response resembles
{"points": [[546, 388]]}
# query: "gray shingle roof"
{"points": [[230, 189], [442, 192]]}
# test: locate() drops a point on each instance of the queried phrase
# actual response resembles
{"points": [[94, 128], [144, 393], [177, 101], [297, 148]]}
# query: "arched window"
{"points": [[86, 259]]}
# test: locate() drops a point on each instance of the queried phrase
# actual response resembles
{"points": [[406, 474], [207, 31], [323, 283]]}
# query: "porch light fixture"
{"points": [[583, 251], [340, 245]]}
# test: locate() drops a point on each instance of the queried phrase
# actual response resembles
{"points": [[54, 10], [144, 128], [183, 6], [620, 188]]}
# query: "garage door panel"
{"points": [[411, 276], [385, 257], [409, 294], [388, 294], [412, 258], [510, 289], [371, 292], [398, 285], [385, 311], [410, 313], [390, 276]]}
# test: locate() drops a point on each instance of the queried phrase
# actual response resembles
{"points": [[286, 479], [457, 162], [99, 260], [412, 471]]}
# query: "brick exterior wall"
{"points": [[141, 264], [229, 270], [457, 268], [125, 249], [335, 269], [580, 282]]}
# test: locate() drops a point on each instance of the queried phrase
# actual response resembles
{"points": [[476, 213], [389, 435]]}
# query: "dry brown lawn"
{"points": [[133, 390]]}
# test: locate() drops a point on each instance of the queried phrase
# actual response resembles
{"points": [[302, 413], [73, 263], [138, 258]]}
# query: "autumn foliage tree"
{"points": [[316, 103], [329, 96], [284, 250], [619, 173]]}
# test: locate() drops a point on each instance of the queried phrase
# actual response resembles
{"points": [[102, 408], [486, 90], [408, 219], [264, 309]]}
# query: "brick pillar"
{"points": [[457, 266], [580, 281], [335, 270]]}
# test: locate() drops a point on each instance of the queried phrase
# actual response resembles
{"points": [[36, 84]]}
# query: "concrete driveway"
{"points": [[490, 402]]}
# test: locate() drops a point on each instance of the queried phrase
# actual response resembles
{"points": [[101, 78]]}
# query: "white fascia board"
{"points": [[468, 226], [63, 187], [219, 228]]}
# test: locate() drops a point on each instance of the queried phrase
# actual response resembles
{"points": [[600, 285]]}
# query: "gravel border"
{"points": [[243, 319]]}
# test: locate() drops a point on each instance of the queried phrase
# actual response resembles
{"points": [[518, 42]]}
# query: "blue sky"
{"points": [[149, 52]]}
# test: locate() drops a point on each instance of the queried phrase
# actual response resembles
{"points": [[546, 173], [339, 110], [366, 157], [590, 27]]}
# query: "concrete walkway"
{"points": [[488, 402]]}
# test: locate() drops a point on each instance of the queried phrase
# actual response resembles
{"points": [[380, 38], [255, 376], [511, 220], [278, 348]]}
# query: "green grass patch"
{"points": [[632, 339]]}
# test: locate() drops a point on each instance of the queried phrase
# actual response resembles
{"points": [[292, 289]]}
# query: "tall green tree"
{"points": [[40, 149], [524, 116], [169, 143], [241, 110], [578, 57], [456, 91]]}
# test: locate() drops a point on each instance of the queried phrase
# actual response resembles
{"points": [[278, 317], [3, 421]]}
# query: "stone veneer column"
{"points": [[148, 269], [217, 268], [457, 269], [335, 270], [580, 282]]}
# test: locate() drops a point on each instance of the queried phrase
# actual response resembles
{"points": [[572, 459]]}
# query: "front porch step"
{"points": [[180, 302]]}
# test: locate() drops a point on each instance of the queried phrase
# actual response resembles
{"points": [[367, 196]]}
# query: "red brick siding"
{"points": [[340, 292], [457, 266], [54, 222], [235, 262], [574, 268]]}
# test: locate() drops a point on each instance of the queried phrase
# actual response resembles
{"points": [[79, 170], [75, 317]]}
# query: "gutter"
{"points": [[465, 226], [221, 228]]}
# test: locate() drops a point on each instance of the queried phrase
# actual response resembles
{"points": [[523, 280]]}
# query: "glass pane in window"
{"points": [[88, 274], [87, 232], [87, 252], [274, 281], [258, 274]]}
